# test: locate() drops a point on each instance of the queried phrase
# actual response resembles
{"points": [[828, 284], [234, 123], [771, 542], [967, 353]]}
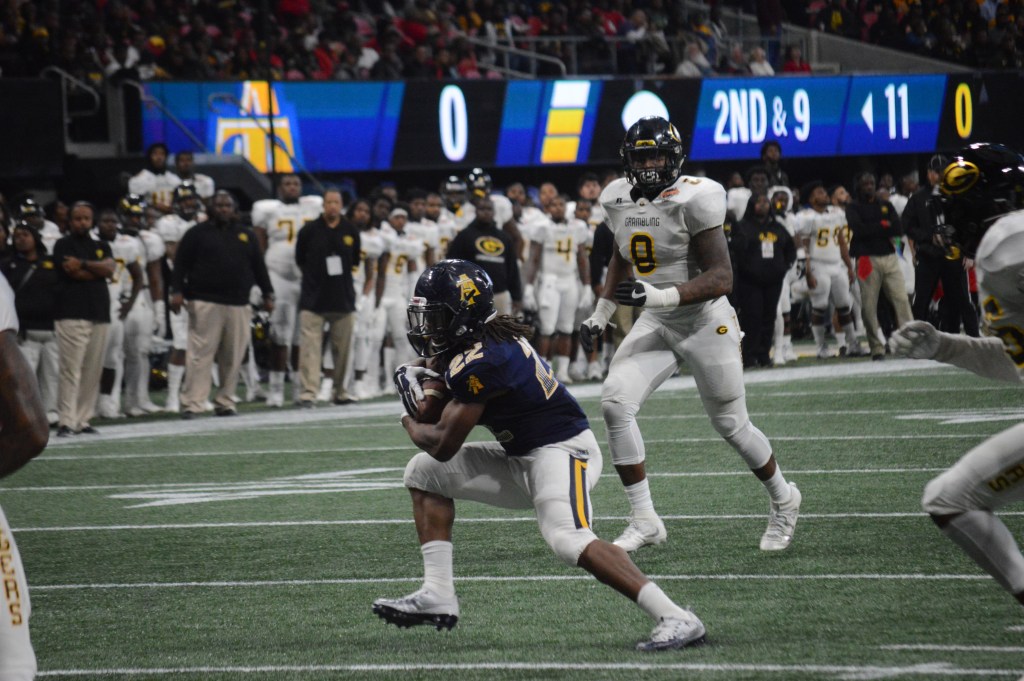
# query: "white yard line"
{"points": [[951, 646], [404, 521], [838, 671], [220, 584]]}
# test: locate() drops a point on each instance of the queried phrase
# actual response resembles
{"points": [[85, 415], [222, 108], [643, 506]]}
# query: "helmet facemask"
{"points": [[428, 324]]}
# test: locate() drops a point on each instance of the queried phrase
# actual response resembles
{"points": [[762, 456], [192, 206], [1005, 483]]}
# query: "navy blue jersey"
{"points": [[526, 406]]}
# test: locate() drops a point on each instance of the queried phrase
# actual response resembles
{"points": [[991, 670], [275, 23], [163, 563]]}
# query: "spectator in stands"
{"points": [[694, 63], [735, 62], [759, 65], [327, 252], [81, 319], [875, 226], [36, 283], [793, 61], [216, 265], [836, 18]]}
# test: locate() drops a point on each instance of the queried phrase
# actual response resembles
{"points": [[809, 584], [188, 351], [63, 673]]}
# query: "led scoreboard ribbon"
{"points": [[817, 116], [432, 125]]}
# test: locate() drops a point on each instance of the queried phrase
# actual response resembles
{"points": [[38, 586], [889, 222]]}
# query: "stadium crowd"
{"points": [[803, 257], [380, 40]]}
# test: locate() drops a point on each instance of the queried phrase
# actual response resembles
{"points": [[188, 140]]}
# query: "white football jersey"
{"points": [[371, 247], [156, 189], [404, 249], [447, 228], [49, 235], [126, 250], [822, 231], [655, 235], [152, 245], [559, 244], [1000, 269], [8, 315], [427, 231], [502, 209], [172, 227], [205, 186], [282, 222]]}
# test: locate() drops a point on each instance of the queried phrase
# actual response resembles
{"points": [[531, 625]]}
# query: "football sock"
{"points": [[851, 335], [561, 367], [437, 568], [639, 495], [787, 343], [990, 544], [655, 603], [175, 374], [778, 488], [277, 383], [819, 334]]}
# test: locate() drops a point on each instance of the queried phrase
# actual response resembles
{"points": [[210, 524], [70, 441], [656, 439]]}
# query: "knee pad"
{"points": [[818, 316], [569, 543], [943, 496], [418, 472], [730, 420], [624, 439], [843, 313]]}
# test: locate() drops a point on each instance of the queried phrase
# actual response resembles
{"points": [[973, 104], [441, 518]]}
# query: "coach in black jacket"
{"points": [[216, 265], [484, 243], [327, 251]]}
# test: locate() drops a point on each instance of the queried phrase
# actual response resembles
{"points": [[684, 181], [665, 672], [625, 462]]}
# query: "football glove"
{"points": [[916, 340], [159, 319], [641, 294], [594, 325], [407, 379], [586, 298], [529, 298]]}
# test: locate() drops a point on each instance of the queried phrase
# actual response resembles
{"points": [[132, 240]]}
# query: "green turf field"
{"points": [[251, 548]]}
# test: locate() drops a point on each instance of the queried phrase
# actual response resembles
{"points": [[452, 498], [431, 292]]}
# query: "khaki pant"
{"points": [[215, 332], [80, 344], [885, 274], [311, 336]]}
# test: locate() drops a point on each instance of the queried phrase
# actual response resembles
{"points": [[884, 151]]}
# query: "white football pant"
{"points": [[17, 659]]}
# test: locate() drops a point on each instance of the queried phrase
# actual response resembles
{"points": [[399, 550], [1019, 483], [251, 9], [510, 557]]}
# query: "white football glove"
{"points": [[530, 298], [407, 379], [594, 325], [159, 319], [916, 340], [638, 293]]}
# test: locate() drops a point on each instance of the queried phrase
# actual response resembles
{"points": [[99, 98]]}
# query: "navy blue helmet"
{"points": [[452, 304]]}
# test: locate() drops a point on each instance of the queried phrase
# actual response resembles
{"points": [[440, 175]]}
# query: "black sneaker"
{"points": [[89, 430], [306, 404], [225, 411], [64, 431], [188, 415]]}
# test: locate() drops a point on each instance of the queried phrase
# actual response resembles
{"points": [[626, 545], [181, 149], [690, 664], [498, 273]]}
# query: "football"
{"points": [[435, 397]]}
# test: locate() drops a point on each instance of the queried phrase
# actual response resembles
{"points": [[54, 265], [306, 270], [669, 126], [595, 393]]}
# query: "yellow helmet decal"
{"points": [[959, 176], [469, 289]]}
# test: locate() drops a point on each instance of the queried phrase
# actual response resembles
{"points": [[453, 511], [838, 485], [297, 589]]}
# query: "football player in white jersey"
{"points": [[458, 209], [155, 183], [423, 228], [147, 318], [171, 228], [829, 271], [558, 263], [982, 194], [397, 266], [124, 286], [366, 346], [668, 235], [184, 167], [23, 435], [782, 207], [277, 223], [446, 226]]}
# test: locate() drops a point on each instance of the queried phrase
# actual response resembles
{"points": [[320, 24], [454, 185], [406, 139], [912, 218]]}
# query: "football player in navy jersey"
{"points": [[545, 456], [672, 260]]}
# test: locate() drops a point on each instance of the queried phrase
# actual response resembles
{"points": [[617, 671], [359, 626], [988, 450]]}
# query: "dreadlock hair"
{"points": [[506, 328]]}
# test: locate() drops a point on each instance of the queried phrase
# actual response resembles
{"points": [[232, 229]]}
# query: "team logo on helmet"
{"points": [[469, 289], [959, 177]]}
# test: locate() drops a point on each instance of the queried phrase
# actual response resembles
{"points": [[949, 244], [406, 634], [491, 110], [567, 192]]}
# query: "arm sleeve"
{"points": [[984, 356], [601, 252]]}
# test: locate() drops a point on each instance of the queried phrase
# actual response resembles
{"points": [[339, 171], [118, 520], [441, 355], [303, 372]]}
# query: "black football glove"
{"points": [[641, 294], [594, 325]]}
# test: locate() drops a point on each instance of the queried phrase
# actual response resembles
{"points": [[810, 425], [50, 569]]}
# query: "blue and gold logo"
{"points": [[245, 131]]}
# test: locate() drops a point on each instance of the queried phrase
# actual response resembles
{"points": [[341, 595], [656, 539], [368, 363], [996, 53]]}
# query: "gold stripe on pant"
{"points": [[311, 325], [215, 333], [80, 344]]}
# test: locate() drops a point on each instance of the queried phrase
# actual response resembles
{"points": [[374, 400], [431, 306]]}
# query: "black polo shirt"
{"points": [[327, 256], [88, 300]]}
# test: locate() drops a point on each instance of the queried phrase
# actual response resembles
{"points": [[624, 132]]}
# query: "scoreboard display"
{"points": [[434, 125]]}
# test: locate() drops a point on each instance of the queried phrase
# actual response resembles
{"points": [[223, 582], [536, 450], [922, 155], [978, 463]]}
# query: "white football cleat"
{"points": [[419, 607], [594, 371], [150, 408], [788, 353], [275, 399], [173, 405], [675, 632], [643, 530], [782, 522], [824, 352], [107, 408], [326, 389]]}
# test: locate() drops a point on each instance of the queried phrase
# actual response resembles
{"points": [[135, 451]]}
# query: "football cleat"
{"points": [[788, 353], [643, 530], [782, 522], [419, 607], [675, 632], [594, 371], [824, 352], [275, 399]]}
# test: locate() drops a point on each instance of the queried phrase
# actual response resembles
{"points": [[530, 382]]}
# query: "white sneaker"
{"points": [[255, 394], [150, 408], [107, 409], [594, 371], [326, 388], [782, 522], [173, 405], [275, 399], [779, 360], [824, 352], [419, 607], [642, 530], [53, 418], [675, 632], [789, 354]]}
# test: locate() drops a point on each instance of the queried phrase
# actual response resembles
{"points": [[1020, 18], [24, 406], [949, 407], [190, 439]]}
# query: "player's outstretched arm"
{"points": [[24, 431], [985, 356], [443, 439]]}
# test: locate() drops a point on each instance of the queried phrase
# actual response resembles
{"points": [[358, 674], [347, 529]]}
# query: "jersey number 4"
{"points": [[641, 250]]}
